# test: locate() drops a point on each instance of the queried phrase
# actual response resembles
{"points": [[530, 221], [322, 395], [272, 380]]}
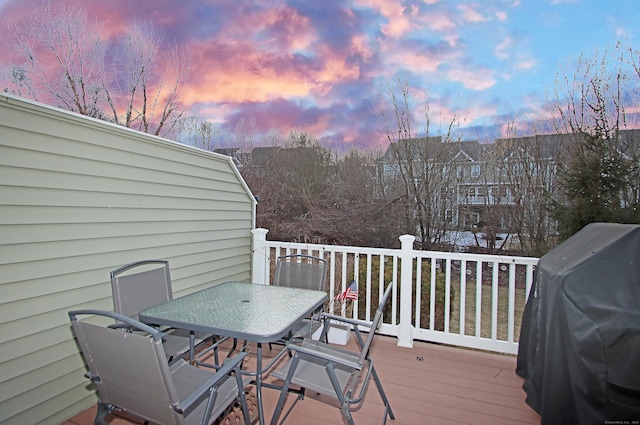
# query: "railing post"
{"points": [[405, 327], [259, 260]]}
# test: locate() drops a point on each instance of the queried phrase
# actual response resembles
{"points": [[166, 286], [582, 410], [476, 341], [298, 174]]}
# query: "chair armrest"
{"points": [[119, 326], [130, 328], [127, 322], [325, 355], [346, 320], [192, 401]]}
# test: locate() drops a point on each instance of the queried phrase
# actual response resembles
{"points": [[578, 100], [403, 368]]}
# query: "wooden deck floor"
{"points": [[429, 384]]}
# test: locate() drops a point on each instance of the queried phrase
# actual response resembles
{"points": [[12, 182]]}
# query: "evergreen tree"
{"points": [[595, 183]]}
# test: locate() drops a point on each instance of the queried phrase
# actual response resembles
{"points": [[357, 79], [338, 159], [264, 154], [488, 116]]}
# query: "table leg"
{"points": [[192, 347], [259, 383]]}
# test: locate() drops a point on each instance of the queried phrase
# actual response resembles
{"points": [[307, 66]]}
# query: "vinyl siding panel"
{"points": [[79, 198]]}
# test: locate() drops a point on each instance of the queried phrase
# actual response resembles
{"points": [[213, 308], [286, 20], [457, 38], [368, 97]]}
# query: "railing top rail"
{"points": [[490, 258], [341, 248]]}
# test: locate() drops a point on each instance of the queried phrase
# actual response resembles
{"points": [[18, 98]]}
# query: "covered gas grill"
{"points": [[580, 340]]}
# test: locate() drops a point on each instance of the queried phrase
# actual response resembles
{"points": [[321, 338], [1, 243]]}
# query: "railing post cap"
{"points": [[407, 238], [260, 232]]}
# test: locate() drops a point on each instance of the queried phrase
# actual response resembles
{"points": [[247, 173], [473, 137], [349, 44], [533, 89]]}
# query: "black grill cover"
{"points": [[579, 349]]}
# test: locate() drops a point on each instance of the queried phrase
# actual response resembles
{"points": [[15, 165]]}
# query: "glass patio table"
{"points": [[247, 311]]}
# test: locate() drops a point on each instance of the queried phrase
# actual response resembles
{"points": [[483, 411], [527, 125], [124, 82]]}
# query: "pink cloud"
{"points": [[360, 46], [418, 61], [335, 69], [501, 15], [318, 126], [469, 14], [475, 79], [244, 85], [527, 63], [439, 21], [501, 48], [399, 22], [284, 27], [241, 72], [481, 112]]}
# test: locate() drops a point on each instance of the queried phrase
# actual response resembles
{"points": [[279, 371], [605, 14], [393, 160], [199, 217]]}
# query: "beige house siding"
{"points": [[78, 198]]}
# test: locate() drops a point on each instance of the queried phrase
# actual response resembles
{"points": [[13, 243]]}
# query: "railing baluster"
{"points": [[512, 302], [394, 298], [418, 292], [432, 295], [479, 278], [463, 295], [447, 295], [332, 281], [367, 315], [494, 300]]}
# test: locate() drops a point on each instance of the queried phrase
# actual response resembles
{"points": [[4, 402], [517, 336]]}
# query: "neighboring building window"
{"points": [[469, 192], [448, 192], [475, 171], [505, 221], [448, 216], [471, 219], [389, 169]]}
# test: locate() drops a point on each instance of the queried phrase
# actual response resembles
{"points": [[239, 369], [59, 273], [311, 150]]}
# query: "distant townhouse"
{"points": [[476, 184]]}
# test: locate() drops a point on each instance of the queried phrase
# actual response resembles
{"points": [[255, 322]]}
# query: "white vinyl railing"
{"points": [[468, 300]]}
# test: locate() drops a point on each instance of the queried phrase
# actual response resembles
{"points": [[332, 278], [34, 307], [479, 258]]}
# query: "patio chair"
{"points": [[301, 271], [333, 371], [131, 375], [134, 292]]}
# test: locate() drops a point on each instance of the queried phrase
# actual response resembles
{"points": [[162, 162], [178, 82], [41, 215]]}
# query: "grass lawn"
{"points": [[486, 310]]}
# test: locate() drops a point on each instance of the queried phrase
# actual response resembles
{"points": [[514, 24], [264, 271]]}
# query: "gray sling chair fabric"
{"points": [[131, 374], [333, 371], [301, 271], [134, 292]]}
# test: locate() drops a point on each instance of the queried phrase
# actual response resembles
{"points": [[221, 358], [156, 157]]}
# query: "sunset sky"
{"points": [[317, 65]]}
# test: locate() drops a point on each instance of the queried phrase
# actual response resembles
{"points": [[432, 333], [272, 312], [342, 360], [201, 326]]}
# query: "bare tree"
{"points": [[420, 162], [143, 89], [62, 55], [15, 80], [245, 133], [64, 64], [528, 170], [481, 190], [308, 194], [290, 181], [357, 215], [196, 132]]}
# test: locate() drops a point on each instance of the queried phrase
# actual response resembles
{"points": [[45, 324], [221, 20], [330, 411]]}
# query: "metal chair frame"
{"points": [[130, 373], [301, 271], [334, 371], [134, 292]]}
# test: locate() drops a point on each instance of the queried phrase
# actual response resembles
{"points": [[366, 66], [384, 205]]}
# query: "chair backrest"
{"points": [[129, 370], [301, 271], [375, 324], [134, 292]]}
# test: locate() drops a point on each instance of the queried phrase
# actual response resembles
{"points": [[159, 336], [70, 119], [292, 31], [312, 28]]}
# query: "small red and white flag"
{"points": [[351, 293]]}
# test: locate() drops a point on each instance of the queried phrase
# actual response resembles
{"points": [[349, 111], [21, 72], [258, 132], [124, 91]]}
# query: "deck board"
{"points": [[426, 384]]}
